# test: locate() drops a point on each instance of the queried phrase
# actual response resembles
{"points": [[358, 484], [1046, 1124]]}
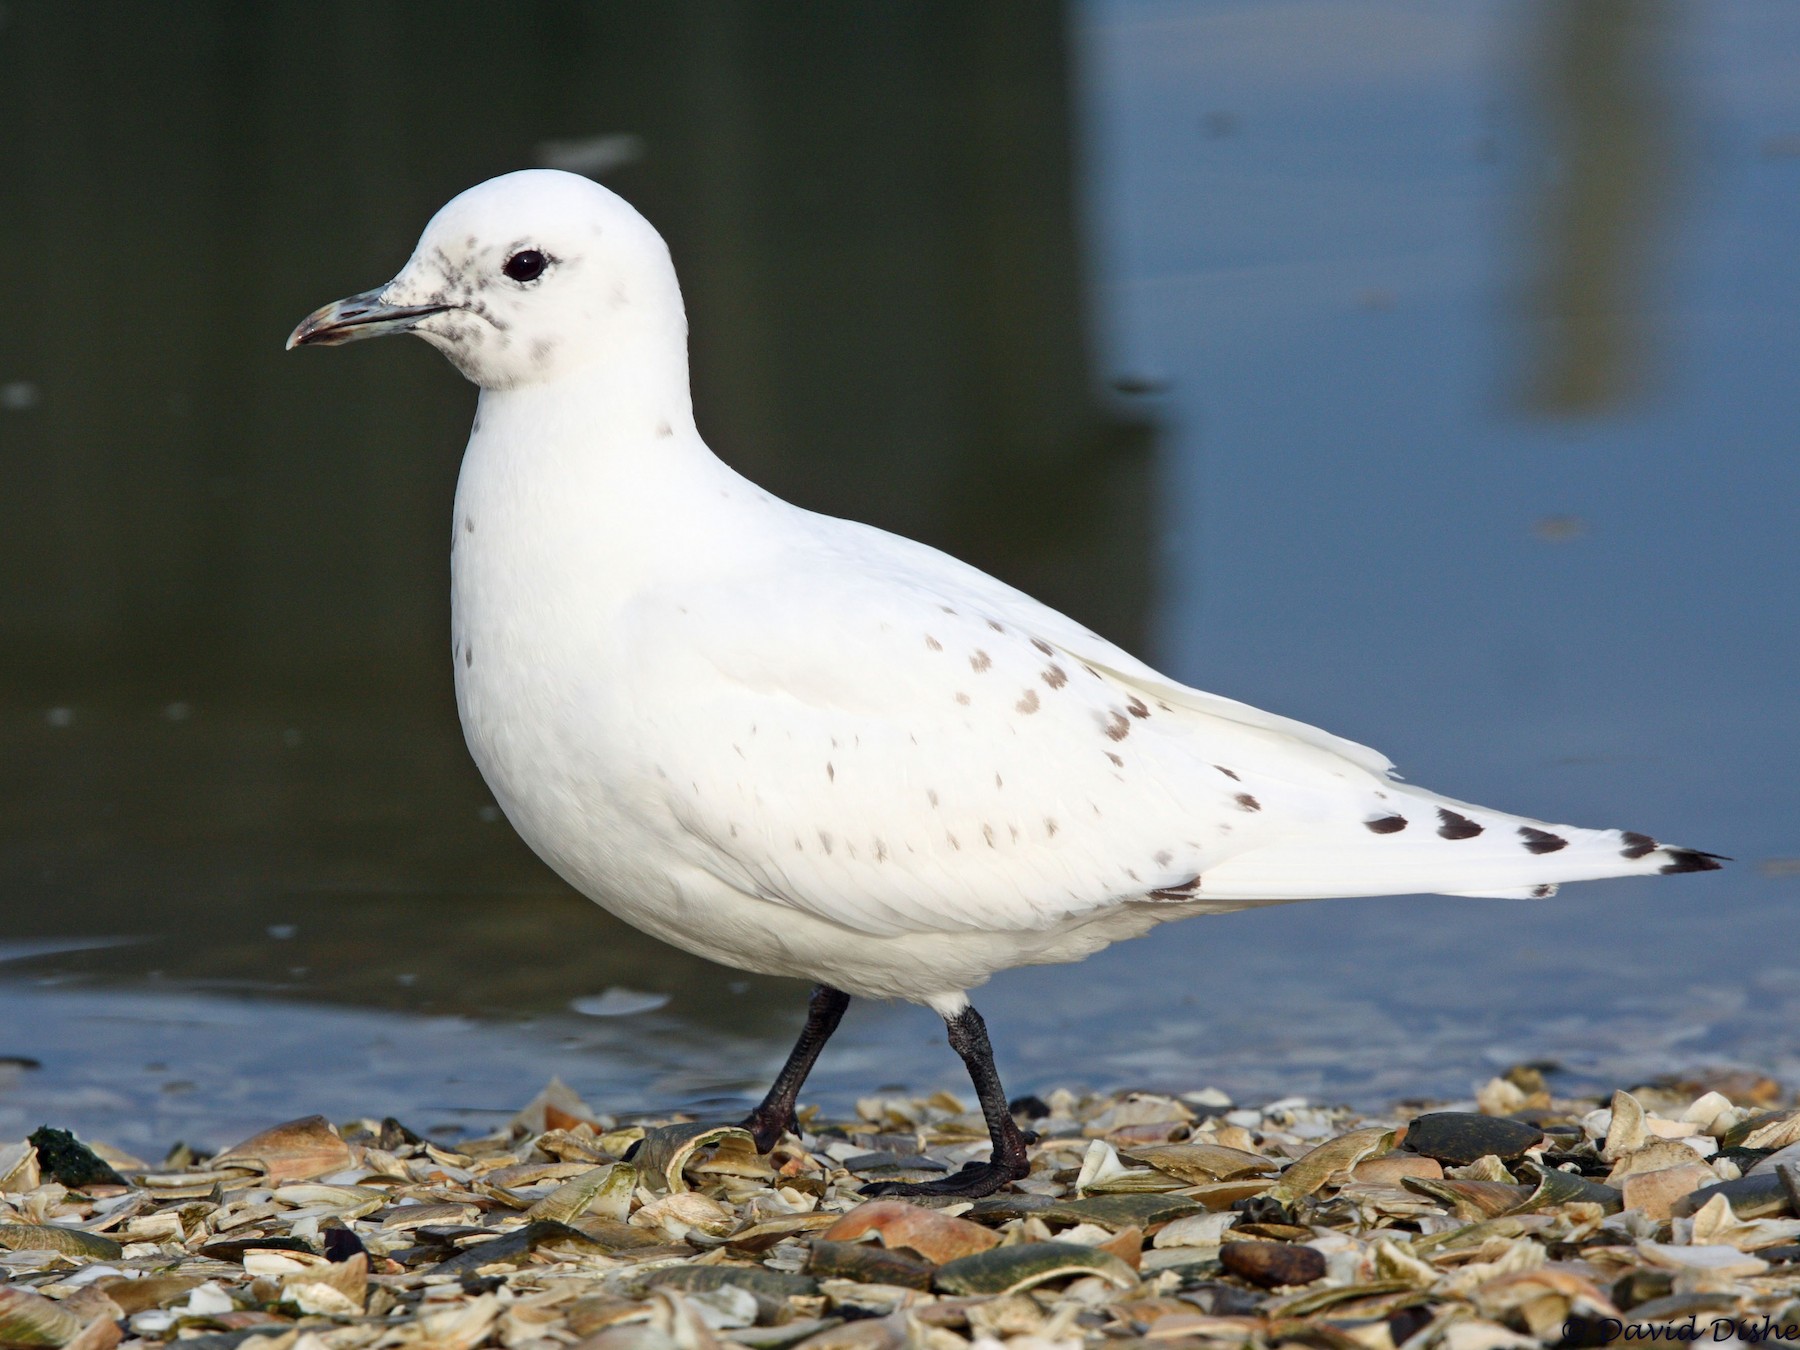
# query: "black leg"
{"points": [[824, 1010], [969, 1038]]}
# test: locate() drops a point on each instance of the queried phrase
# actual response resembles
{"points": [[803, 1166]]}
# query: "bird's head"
{"points": [[519, 281]]}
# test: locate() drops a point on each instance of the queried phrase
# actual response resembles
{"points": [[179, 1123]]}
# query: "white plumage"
{"points": [[803, 746]]}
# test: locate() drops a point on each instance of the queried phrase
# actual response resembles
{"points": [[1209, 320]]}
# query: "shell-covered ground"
{"points": [[1519, 1218]]}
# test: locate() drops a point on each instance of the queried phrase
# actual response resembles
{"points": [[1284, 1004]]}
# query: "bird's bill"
{"points": [[359, 316]]}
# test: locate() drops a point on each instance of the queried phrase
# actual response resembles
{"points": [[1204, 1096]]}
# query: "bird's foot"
{"points": [[974, 1181], [767, 1127]]}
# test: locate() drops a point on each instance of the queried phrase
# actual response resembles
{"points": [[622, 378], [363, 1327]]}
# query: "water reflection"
{"points": [[1608, 169]]}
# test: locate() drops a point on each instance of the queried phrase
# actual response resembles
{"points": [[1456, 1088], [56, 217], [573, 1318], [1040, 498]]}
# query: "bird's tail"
{"points": [[1413, 841]]}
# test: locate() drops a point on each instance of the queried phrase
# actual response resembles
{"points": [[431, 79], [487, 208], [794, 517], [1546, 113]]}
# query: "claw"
{"points": [[974, 1181]]}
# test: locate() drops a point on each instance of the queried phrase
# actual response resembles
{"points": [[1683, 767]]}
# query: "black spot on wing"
{"points": [[1541, 841], [1543, 890], [1456, 826], [1228, 773], [1386, 824], [1636, 845], [1692, 860], [1181, 890]]}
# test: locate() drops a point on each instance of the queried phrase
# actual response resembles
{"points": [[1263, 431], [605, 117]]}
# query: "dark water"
{"points": [[1423, 371]]}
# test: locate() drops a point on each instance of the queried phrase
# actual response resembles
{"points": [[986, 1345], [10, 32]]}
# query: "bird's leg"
{"points": [[969, 1038], [824, 1010]]}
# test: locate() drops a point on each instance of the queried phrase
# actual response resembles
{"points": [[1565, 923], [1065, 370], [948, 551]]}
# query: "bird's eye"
{"points": [[526, 265]]}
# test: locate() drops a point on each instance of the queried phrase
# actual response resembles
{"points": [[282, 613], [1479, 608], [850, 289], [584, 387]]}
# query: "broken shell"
{"points": [[19, 1171], [676, 1215], [1655, 1192], [331, 1290], [1758, 1195], [1225, 1194], [1119, 1211], [666, 1150], [1462, 1137], [516, 1247], [29, 1321], [1552, 1187], [1196, 1230], [935, 1237], [32, 1237], [773, 1284], [298, 1150], [1392, 1168], [1774, 1129], [153, 1291], [1200, 1162], [604, 1192], [868, 1263], [1653, 1157], [1471, 1200], [1007, 1270], [1627, 1130], [1320, 1164], [1272, 1265]]}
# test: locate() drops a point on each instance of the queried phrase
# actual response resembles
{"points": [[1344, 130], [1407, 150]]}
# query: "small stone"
{"points": [[65, 1158], [1272, 1264], [1461, 1137]]}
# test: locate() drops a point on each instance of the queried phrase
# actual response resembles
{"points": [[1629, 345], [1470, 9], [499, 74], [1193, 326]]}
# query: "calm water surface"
{"points": [[1425, 372]]}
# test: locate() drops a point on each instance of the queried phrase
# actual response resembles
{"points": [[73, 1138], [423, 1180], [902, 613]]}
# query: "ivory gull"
{"points": [[806, 747]]}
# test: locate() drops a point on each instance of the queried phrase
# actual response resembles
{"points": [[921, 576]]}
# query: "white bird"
{"points": [[802, 746]]}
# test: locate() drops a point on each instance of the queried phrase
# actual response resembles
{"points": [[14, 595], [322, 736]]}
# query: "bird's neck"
{"points": [[599, 480]]}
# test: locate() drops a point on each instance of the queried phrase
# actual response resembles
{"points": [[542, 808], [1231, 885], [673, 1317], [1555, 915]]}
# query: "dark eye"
{"points": [[526, 265]]}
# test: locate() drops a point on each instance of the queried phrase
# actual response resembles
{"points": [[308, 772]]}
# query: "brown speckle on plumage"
{"points": [[1245, 802], [1117, 726], [1541, 841], [830, 771], [1043, 646], [1029, 703], [1055, 676], [980, 661], [1456, 825], [1386, 824], [1636, 845], [931, 796], [962, 698], [933, 643], [1118, 762], [1136, 707], [1181, 890], [1227, 772], [996, 625], [1050, 826]]}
